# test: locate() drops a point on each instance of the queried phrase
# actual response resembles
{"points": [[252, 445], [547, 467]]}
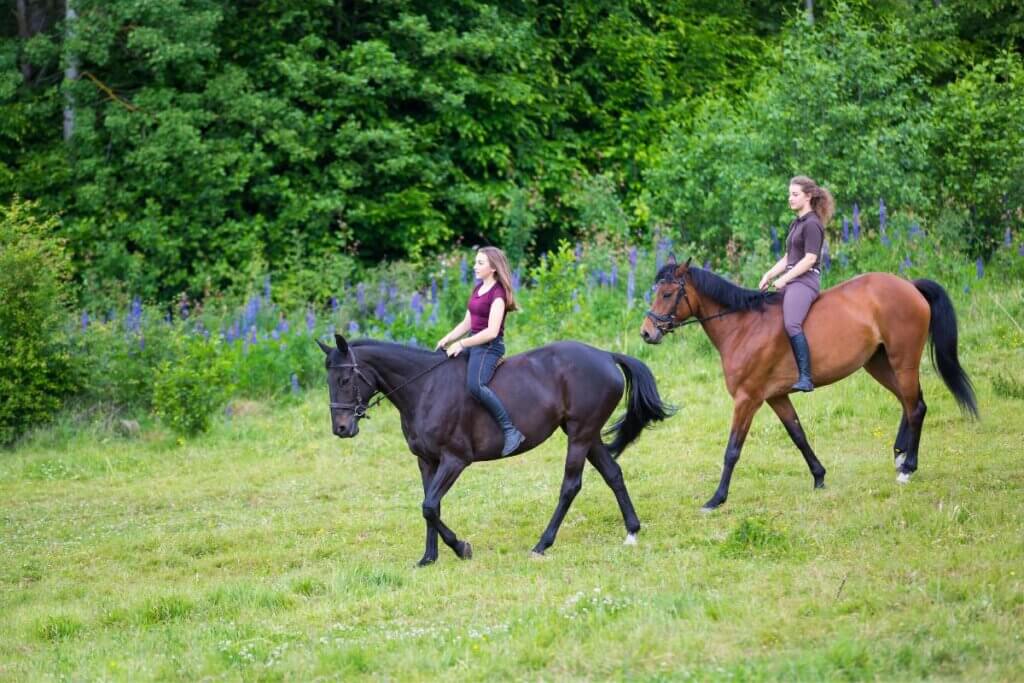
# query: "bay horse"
{"points": [[875, 321], [565, 384]]}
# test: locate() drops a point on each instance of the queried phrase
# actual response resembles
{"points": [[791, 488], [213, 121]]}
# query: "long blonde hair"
{"points": [[502, 274], [822, 202]]}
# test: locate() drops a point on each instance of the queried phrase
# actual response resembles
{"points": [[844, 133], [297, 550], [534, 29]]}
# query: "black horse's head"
{"points": [[670, 305], [349, 388]]}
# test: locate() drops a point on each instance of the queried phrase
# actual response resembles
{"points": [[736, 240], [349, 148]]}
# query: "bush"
{"points": [[190, 388], [35, 364]]}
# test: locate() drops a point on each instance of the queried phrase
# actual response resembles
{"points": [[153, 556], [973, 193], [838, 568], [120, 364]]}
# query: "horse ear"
{"points": [[342, 344], [688, 261], [324, 347], [671, 259]]}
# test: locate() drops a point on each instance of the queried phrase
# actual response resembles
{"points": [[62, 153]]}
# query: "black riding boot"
{"points": [[513, 437], [803, 362]]}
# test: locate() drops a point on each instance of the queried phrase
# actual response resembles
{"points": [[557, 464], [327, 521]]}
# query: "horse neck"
{"points": [[392, 369], [722, 331]]}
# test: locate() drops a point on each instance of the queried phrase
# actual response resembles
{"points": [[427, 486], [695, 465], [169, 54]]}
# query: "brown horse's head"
{"points": [[670, 303], [349, 388]]}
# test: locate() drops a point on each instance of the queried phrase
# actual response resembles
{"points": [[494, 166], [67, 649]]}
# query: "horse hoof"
{"points": [[630, 539], [819, 484], [426, 562], [899, 460], [467, 551], [708, 509], [903, 478], [537, 555]]}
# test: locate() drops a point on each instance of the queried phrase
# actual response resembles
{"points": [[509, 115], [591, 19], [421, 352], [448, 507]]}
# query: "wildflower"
{"points": [[85, 321], [516, 280], [381, 310], [353, 328], [295, 383], [266, 289], [630, 287], [1007, 237], [632, 257], [310, 319], [856, 221], [979, 267], [463, 269], [578, 252], [846, 229], [775, 242], [416, 304], [614, 276], [333, 301], [433, 288], [361, 296]]}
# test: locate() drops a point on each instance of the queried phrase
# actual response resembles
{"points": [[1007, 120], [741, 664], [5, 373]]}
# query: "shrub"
{"points": [[35, 364], [190, 388]]}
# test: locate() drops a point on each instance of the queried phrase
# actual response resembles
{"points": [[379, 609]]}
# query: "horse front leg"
{"points": [[427, 471], [447, 472], [783, 407], [572, 482], [742, 414]]}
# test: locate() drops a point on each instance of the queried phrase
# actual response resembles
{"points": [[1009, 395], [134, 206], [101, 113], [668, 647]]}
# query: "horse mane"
{"points": [[724, 292], [404, 349]]}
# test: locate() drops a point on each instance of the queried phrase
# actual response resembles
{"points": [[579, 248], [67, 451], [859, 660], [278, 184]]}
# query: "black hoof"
{"points": [[819, 483], [426, 562], [467, 551]]}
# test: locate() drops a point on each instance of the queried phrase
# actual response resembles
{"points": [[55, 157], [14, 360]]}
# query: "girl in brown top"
{"points": [[488, 305], [798, 273]]}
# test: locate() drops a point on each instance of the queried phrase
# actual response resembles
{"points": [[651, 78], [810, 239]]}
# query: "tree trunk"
{"points": [[70, 72]]}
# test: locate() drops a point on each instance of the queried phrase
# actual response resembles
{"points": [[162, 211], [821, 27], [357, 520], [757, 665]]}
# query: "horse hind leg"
{"points": [[611, 472], [906, 387], [783, 407]]}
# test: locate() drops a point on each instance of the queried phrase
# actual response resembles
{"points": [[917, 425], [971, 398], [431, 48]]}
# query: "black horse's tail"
{"points": [[644, 405], [944, 345]]}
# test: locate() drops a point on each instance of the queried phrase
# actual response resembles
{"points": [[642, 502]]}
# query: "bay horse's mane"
{"points": [[721, 290]]}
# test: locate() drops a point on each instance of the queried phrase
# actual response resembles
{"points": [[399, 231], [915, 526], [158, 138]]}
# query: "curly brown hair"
{"points": [[821, 199]]}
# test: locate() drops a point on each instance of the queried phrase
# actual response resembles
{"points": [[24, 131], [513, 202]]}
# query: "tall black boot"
{"points": [[803, 362], [513, 437]]}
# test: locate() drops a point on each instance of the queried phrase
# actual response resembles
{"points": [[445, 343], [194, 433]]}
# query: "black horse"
{"points": [[566, 384]]}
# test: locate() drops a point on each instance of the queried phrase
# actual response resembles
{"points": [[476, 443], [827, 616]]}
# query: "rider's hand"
{"points": [[442, 343], [454, 350], [763, 285]]}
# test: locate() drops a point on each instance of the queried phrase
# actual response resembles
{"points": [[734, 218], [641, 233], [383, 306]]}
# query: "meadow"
{"points": [[268, 549]]}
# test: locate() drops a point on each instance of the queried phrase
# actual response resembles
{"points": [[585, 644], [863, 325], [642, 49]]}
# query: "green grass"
{"points": [[270, 550]]}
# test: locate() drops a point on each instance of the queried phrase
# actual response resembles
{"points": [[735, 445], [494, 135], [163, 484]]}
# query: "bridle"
{"points": [[360, 406], [669, 322]]}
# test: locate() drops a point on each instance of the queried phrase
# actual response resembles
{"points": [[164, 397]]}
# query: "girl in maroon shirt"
{"points": [[798, 272], [488, 305]]}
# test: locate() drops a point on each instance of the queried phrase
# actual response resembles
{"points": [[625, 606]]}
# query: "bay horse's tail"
{"points": [[643, 404], [944, 345]]}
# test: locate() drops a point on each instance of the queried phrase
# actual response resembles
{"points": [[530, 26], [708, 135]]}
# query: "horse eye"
{"points": [[666, 295]]}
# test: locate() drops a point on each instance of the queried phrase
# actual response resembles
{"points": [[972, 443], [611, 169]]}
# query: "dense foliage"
{"points": [[194, 145]]}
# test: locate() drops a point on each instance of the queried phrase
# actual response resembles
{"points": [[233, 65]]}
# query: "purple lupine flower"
{"points": [[516, 280], [979, 268], [389, 319], [295, 383], [381, 310], [707, 264], [647, 297], [632, 257], [578, 252], [283, 326], [333, 301], [310, 319], [914, 231], [228, 410], [85, 319], [885, 240], [252, 310], [575, 301], [361, 296], [266, 289], [275, 335], [463, 269], [433, 315], [142, 341], [1007, 237], [134, 319], [252, 335], [775, 242], [353, 328], [1020, 249], [614, 277], [826, 260], [846, 229], [630, 287], [883, 216], [433, 288], [416, 304], [905, 264], [392, 292], [856, 221]]}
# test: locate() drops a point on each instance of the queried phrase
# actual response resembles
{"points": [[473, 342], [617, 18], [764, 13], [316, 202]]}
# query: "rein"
{"points": [[668, 322], [360, 407]]}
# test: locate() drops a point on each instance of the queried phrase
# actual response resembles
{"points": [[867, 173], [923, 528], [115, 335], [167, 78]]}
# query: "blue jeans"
{"points": [[483, 359]]}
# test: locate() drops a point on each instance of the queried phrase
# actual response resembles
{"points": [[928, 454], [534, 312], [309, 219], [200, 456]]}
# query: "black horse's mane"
{"points": [[404, 349], [721, 290]]}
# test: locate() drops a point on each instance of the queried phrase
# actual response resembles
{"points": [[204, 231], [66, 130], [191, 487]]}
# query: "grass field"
{"points": [[268, 549]]}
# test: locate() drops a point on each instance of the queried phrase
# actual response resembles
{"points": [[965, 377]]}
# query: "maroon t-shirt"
{"points": [[480, 307]]}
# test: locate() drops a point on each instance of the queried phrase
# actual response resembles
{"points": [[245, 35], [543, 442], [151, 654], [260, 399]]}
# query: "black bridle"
{"points": [[360, 406], [669, 322]]}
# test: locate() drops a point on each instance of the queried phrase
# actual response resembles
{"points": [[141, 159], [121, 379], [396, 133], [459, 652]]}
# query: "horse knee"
{"points": [[431, 513]]}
